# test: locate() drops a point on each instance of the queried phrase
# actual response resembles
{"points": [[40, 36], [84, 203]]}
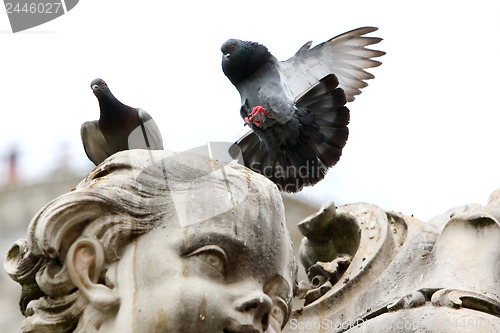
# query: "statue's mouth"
{"points": [[250, 329], [241, 329]]}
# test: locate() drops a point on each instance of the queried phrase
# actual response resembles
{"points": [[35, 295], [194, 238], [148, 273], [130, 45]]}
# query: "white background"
{"points": [[423, 134]]}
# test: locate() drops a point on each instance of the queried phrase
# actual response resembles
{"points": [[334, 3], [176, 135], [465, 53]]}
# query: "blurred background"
{"points": [[422, 134]]}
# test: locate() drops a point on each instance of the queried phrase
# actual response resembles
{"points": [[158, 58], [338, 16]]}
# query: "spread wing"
{"points": [[95, 145], [345, 55], [152, 131]]}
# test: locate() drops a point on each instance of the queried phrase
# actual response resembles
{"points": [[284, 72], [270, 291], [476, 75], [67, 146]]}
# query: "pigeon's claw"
{"points": [[259, 110], [256, 111], [247, 121]]}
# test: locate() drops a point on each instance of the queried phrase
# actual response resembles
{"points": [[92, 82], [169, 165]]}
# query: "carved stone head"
{"points": [[153, 241]]}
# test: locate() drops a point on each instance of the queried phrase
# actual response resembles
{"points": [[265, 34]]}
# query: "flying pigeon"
{"points": [[120, 127], [296, 108]]}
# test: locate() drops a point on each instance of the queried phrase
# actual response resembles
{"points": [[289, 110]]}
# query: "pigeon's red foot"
{"points": [[256, 111]]}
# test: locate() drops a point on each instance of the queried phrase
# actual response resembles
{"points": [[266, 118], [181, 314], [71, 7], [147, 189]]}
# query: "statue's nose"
{"points": [[259, 305]]}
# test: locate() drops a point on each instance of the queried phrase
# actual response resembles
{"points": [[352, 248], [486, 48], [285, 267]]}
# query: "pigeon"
{"points": [[296, 108], [120, 127]]}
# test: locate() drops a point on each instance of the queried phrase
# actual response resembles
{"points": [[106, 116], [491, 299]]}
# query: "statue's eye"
{"points": [[213, 256], [232, 46]]}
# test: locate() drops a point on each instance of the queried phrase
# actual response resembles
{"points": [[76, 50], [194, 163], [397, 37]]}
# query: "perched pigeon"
{"points": [[296, 108], [120, 127]]}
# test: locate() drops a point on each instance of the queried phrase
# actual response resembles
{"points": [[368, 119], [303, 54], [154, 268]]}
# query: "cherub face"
{"points": [[228, 274]]}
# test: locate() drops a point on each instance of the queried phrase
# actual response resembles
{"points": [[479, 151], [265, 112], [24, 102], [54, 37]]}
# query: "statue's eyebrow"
{"points": [[225, 241]]}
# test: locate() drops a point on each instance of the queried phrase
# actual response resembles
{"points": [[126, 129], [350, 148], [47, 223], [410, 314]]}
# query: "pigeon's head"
{"points": [[240, 59], [99, 87]]}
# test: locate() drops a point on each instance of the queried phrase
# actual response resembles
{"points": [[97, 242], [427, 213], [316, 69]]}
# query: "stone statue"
{"points": [[373, 271], [153, 241]]}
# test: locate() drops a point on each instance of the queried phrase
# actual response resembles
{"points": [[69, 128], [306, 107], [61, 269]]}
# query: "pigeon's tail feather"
{"points": [[290, 169], [322, 133], [326, 111]]}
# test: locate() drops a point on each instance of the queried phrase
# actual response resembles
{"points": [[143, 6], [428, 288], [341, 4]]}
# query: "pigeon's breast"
{"points": [[266, 89]]}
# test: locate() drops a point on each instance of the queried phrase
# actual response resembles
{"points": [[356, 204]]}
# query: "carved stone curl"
{"points": [[404, 275]]}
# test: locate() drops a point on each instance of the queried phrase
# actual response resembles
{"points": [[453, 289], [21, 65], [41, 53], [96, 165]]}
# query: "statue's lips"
{"points": [[243, 329], [233, 326]]}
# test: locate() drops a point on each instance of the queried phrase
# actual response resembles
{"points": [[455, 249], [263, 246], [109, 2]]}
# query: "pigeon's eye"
{"points": [[103, 83], [232, 47]]}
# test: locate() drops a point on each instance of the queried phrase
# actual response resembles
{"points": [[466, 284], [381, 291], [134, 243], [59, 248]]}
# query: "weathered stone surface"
{"points": [[409, 276], [158, 242], [163, 242]]}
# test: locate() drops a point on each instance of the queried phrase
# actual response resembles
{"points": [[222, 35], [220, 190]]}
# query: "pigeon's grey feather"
{"points": [[296, 108], [268, 90], [345, 55], [299, 152], [95, 145], [149, 134], [120, 127]]}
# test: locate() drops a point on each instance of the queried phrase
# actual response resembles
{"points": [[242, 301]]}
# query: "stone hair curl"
{"points": [[126, 196], [113, 212]]}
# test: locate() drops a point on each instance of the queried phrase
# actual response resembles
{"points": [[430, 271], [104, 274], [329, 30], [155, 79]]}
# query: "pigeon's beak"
{"points": [[227, 55], [95, 87]]}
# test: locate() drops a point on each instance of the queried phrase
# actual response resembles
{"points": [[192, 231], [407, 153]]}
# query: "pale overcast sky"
{"points": [[423, 134]]}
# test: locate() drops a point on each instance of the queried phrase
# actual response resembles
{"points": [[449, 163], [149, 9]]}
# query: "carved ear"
{"points": [[84, 262]]}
